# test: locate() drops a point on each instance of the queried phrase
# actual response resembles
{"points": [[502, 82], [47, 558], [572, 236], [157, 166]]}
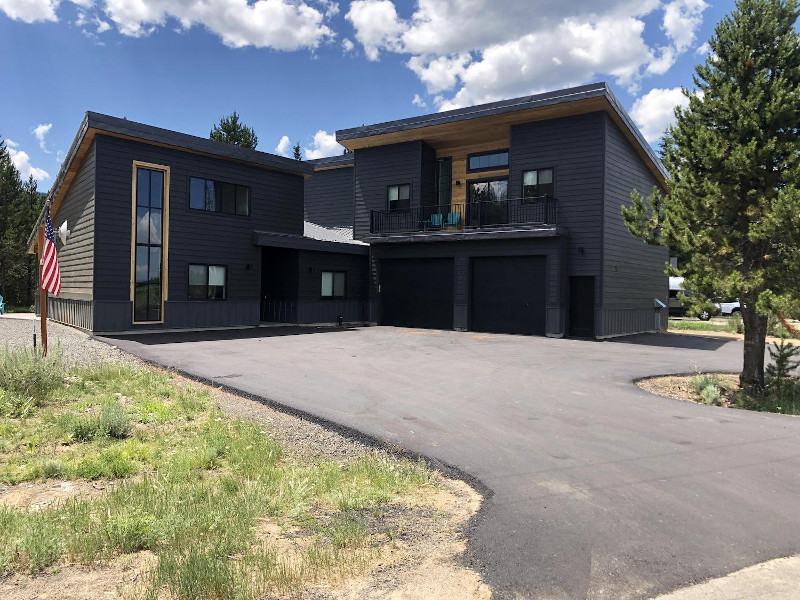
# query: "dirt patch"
{"points": [[38, 496], [116, 579], [681, 387], [430, 566]]}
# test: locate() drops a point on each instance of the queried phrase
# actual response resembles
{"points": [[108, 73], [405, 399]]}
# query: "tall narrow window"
{"points": [[444, 177], [399, 196], [150, 196]]}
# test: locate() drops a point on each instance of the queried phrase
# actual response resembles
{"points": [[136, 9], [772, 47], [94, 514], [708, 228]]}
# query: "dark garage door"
{"points": [[417, 292], [508, 294]]}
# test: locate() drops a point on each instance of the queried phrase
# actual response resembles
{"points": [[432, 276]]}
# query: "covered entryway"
{"points": [[581, 307], [417, 292], [508, 294]]}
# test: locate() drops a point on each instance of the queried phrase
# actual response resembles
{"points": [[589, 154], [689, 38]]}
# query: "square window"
{"points": [[333, 284], [399, 196], [207, 282]]}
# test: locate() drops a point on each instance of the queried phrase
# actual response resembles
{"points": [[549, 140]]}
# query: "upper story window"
{"points": [[487, 161], [538, 183], [217, 196], [399, 196]]}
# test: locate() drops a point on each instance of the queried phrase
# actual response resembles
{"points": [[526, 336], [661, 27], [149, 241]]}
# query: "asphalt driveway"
{"points": [[599, 490]]}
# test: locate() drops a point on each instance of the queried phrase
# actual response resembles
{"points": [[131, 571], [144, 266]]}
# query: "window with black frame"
{"points": [[487, 161], [538, 183], [219, 196], [148, 259], [399, 196], [333, 284], [208, 282]]}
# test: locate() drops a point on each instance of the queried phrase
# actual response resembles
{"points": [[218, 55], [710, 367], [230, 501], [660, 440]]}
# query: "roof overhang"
{"points": [[94, 124], [298, 242], [492, 122]]}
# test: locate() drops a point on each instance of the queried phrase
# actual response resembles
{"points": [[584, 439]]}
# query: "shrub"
{"points": [[735, 323], [782, 391], [114, 423], [708, 389], [30, 377]]}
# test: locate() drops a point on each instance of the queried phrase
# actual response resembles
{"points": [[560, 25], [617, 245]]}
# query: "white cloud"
{"points": [[654, 111], [39, 132], [278, 24], [377, 26], [324, 144], [284, 146], [703, 49], [30, 11], [417, 101], [347, 46], [470, 51], [22, 162], [682, 18]]}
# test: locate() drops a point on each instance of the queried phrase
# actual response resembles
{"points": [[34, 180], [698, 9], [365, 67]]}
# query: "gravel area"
{"points": [[16, 330]]}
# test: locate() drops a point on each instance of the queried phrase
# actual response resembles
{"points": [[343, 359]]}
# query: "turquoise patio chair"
{"points": [[453, 219], [436, 220], [2, 306]]}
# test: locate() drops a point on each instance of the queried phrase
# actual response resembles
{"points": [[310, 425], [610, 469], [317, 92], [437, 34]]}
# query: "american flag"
{"points": [[51, 276]]}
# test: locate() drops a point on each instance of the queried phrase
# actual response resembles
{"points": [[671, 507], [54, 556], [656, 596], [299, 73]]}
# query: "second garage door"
{"points": [[417, 292], [508, 294]]}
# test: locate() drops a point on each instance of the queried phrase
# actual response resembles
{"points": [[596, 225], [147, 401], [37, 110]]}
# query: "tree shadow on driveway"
{"points": [[675, 340]]}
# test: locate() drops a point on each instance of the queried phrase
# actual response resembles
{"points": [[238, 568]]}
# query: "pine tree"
{"points": [[297, 155], [232, 131], [734, 160]]}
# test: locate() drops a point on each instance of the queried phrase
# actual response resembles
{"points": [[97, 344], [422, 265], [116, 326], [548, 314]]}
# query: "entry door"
{"points": [[581, 307]]}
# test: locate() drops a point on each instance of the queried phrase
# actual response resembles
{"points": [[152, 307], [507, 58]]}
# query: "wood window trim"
{"points": [[138, 164]]}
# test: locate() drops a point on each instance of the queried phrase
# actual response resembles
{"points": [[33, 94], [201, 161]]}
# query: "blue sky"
{"points": [[298, 70]]}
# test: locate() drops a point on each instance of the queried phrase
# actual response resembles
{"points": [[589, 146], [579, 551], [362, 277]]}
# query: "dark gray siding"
{"points": [[76, 257], [329, 197], [313, 263], [462, 253], [633, 272], [428, 176], [573, 147], [194, 236], [378, 168]]}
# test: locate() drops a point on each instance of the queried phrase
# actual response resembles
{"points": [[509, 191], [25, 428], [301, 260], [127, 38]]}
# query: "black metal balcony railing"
{"points": [[470, 215]]}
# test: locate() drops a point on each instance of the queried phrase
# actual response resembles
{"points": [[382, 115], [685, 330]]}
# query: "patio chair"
{"points": [[435, 222], [2, 306], [453, 219]]}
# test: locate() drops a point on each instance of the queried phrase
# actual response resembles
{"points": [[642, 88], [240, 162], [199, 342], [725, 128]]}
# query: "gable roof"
{"points": [[572, 101], [95, 123]]}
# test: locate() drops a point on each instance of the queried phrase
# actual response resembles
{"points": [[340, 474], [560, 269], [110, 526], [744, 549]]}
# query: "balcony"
{"points": [[530, 212]]}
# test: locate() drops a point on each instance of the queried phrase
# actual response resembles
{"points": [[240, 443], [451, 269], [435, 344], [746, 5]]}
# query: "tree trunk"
{"points": [[755, 333]]}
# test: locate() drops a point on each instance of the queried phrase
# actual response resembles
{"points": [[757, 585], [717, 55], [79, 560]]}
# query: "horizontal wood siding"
{"points": [[276, 204], [573, 147], [329, 197], [180, 315], [378, 168], [633, 272], [313, 263], [76, 257]]}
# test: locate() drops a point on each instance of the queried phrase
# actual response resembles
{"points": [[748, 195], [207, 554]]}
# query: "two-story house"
{"points": [[504, 217], [173, 231]]}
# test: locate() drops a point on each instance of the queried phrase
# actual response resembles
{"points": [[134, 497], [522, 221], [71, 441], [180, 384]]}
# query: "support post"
{"points": [[42, 291]]}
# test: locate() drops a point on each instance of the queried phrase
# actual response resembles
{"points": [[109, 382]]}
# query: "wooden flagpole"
{"points": [[42, 291]]}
